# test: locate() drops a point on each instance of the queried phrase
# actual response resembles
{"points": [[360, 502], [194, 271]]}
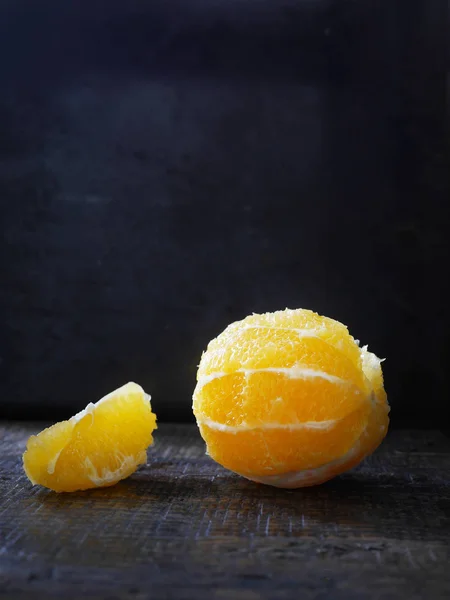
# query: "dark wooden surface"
{"points": [[184, 528]]}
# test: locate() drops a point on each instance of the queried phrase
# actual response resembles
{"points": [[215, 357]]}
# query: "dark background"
{"points": [[167, 167]]}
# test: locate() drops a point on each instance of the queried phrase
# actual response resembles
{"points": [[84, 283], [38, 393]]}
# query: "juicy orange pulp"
{"points": [[99, 446], [289, 398]]}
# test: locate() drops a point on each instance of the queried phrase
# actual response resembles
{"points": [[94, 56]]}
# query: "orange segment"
{"points": [[289, 398], [284, 348], [99, 446], [299, 322], [275, 397], [272, 450]]}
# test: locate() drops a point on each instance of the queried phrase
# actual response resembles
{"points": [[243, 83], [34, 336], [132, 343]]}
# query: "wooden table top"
{"points": [[184, 528]]}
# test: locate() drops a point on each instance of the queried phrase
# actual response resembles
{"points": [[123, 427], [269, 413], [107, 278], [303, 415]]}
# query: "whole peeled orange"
{"points": [[289, 399]]}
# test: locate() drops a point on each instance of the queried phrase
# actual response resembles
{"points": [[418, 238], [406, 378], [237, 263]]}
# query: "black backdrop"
{"points": [[167, 167]]}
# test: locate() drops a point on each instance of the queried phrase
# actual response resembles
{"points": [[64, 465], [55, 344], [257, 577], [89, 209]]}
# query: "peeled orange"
{"points": [[99, 446], [289, 399]]}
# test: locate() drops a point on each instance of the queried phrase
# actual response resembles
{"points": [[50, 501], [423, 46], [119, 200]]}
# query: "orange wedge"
{"points": [[101, 445]]}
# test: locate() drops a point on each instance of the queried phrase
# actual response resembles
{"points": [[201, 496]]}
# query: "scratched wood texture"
{"points": [[184, 528]]}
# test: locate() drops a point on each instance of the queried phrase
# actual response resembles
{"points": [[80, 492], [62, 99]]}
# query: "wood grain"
{"points": [[183, 528]]}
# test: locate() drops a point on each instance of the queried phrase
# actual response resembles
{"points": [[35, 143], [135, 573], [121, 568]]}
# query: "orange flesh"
{"points": [[96, 448], [286, 393]]}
